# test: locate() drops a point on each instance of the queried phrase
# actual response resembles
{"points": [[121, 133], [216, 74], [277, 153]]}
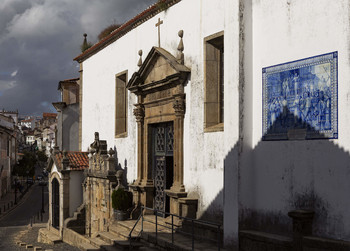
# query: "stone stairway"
{"points": [[117, 239], [163, 239]]}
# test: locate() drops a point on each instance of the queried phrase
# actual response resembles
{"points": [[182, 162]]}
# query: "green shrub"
{"points": [[121, 200]]}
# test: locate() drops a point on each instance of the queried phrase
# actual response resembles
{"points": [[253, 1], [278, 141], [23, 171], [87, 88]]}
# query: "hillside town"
{"points": [[194, 125]]}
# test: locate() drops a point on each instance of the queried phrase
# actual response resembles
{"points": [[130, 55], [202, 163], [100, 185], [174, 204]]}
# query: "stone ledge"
{"points": [[325, 243], [46, 236], [266, 237]]}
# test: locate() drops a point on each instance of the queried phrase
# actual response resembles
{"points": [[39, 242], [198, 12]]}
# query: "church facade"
{"points": [[229, 111]]}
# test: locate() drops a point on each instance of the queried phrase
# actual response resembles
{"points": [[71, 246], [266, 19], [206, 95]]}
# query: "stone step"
{"points": [[122, 231], [110, 237], [47, 236], [98, 242], [88, 247], [125, 245]]}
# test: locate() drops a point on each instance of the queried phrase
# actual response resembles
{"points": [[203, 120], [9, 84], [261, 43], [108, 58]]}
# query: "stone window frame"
{"points": [[214, 104], [124, 133]]}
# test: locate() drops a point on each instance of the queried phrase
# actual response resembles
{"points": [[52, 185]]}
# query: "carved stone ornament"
{"points": [[179, 106], [140, 59], [139, 112], [98, 162], [180, 48], [111, 152], [96, 144]]}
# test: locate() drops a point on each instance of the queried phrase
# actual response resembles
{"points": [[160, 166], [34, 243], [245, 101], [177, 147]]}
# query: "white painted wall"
{"points": [[204, 153], [270, 178], [285, 175], [75, 191]]}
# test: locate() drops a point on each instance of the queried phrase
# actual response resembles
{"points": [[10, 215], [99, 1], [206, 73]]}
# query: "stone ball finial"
{"points": [[111, 152], [139, 63], [180, 48], [85, 35], [120, 173]]}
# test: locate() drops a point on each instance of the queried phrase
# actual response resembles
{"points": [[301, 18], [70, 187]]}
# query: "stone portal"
{"points": [[159, 86]]}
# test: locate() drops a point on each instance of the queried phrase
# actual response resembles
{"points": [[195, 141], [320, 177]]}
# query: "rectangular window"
{"points": [[214, 82], [121, 104]]}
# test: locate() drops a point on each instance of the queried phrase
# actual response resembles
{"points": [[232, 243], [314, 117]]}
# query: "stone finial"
{"points": [[119, 175], [85, 44], [111, 152], [96, 144], [140, 59], [65, 160], [180, 48]]}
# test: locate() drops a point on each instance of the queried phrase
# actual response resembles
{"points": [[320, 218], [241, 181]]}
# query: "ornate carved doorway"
{"points": [[163, 163], [55, 203]]}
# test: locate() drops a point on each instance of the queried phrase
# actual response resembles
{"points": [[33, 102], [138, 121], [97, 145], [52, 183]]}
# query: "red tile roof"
{"points": [[69, 80], [126, 27], [77, 160], [51, 115]]}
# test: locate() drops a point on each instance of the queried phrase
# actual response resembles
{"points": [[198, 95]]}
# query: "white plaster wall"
{"points": [[75, 191], [286, 175], [204, 153]]}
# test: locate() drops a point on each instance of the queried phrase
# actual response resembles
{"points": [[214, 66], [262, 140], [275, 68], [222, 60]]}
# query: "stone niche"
{"points": [[159, 86], [100, 179]]}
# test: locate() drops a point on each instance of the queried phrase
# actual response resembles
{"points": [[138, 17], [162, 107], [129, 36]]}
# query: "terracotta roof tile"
{"points": [[69, 80], [77, 160], [125, 28]]}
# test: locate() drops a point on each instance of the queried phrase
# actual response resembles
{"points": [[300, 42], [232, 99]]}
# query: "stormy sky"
{"points": [[40, 38]]}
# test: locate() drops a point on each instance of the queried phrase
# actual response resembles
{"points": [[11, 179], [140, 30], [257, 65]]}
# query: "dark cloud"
{"points": [[40, 38]]}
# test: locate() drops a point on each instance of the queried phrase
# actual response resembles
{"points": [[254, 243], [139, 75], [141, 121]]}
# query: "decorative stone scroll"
{"points": [[99, 161], [139, 112], [179, 105]]}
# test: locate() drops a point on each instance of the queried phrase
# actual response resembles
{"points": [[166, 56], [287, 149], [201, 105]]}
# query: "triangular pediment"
{"points": [[159, 68]]}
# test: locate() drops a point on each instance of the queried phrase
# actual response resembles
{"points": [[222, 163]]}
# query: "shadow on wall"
{"points": [[276, 177]]}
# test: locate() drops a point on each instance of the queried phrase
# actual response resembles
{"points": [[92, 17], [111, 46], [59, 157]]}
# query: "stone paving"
{"points": [[29, 235], [12, 236]]}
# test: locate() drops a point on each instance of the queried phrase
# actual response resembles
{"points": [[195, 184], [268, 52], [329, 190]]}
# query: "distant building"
{"points": [[30, 138], [68, 115], [12, 114], [8, 146]]}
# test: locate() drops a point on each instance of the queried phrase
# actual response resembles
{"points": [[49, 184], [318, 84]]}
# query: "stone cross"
{"points": [[158, 25]]}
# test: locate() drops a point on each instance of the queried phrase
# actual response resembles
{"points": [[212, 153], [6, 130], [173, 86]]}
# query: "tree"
{"points": [[26, 165], [41, 156]]}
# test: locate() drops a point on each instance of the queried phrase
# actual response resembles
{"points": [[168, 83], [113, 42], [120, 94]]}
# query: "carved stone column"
{"points": [[179, 107], [139, 113]]}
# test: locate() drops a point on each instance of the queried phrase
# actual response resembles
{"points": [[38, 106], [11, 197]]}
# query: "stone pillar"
{"points": [[64, 201], [139, 113], [179, 107], [302, 226]]}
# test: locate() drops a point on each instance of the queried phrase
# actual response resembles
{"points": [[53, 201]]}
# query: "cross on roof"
{"points": [[158, 25]]}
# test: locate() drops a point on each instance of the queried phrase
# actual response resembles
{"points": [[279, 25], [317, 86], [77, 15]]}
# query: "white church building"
{"points": [[234, 112]]}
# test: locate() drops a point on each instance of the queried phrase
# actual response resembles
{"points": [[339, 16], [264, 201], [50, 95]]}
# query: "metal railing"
{"points": [[193, 222]]}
